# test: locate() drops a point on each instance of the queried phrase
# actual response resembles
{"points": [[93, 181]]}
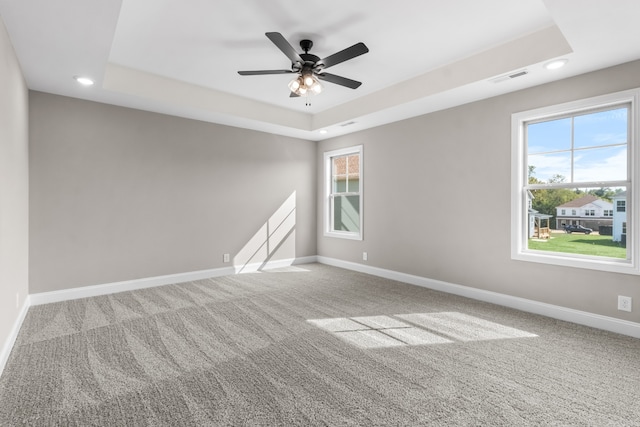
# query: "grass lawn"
{"points": [[591, 244]]}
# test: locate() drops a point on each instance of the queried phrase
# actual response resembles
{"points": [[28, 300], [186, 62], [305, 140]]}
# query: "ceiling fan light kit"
{"points": [[305, 85], [310, 68]]}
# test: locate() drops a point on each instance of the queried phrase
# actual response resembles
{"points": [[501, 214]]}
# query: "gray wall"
{"points": [[437, 200], [14, 188], [120, 194]]}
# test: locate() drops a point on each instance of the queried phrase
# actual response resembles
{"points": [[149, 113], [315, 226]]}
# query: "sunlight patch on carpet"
{"points": [[416, 329], [463, 327]]}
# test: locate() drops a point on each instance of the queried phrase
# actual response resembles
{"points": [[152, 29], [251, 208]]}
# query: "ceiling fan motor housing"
{"points": [[309, 62]]}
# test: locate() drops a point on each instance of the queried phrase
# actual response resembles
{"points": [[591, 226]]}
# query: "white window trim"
{"points": [[519, 175], [327, 193]]}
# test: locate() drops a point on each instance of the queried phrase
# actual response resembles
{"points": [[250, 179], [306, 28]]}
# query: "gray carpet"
{"points": [[312, 345]]}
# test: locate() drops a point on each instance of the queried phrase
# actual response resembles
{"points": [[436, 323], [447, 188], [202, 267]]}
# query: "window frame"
{"points": [[328, 195], [519, 178]]}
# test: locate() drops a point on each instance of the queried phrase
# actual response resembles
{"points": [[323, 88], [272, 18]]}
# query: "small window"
{"points": [[343, 193], [621, 206], [564, 212], [573, 212]]}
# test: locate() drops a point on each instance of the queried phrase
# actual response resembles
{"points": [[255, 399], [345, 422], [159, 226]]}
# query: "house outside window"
{"points": [[620, 219], [573, 149], [343, 193]]}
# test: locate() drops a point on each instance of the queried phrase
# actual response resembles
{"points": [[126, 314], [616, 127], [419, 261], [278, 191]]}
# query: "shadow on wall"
{"points": [[276, 237]]}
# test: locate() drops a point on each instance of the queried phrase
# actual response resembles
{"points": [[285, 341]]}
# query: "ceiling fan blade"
{"points": [[339, 80], [293, 95], [344, 55], [282, 44], [262, 72]]}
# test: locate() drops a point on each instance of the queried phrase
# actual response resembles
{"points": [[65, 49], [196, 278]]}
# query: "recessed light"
{"points": [[323, 131], [554, 65], [85, 81]]}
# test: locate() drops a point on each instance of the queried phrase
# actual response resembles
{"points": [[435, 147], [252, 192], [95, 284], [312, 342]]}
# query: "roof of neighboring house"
{"points": [[540, 215], [577, 203]]}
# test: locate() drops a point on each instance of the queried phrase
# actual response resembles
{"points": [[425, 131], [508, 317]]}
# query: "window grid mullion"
{"points": [[573, 147]]}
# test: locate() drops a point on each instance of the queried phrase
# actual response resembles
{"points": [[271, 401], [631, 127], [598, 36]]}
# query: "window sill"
{"points": [[343, 235], [591, 263]]}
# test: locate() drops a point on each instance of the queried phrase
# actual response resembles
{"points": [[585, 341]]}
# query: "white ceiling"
{"points": [[181, 57]]}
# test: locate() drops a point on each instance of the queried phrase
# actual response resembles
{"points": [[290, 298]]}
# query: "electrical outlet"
{"points": [[364, 256], [624, 303], [225, 258]]}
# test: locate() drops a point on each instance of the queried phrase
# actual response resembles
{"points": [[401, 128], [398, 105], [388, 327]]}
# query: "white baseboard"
{"points": [[150, 282], [554, 311], [127, 285], [13, 335]]}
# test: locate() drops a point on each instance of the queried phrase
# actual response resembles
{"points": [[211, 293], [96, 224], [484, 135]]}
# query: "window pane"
{"points": [[339, 174], [547, 167], [594, 227], [602, 128], [552, 135], [339, 184], [346, 174], [354, 174], [354, 184], [600, 164], [340, 165], [346, 213]]}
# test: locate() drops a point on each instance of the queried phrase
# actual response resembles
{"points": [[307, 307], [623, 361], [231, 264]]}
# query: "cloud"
{"points": [[592, 165]]}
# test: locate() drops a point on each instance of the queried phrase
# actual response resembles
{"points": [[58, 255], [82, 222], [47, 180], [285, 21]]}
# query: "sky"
{"points": [[599, 147]]}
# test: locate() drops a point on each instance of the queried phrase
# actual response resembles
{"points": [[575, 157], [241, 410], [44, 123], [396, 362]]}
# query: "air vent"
{"points": [[348, 123], [509, 76], [518, 74]]}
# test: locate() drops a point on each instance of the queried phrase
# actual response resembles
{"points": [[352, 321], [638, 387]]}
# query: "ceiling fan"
{"points": [[310, 68]]}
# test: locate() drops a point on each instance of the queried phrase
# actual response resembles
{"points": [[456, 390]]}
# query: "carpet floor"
{"points": [[312, 345]]}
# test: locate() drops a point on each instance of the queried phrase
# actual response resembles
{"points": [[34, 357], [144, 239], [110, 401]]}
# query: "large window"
{"points": [[581, 152], [343, 193]]}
